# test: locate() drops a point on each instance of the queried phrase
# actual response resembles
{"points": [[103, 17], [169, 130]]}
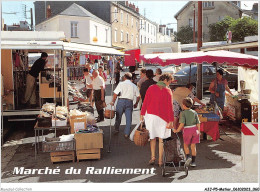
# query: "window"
{"points": [[144, 39], [122, 16], [148, 27], [106, 35], [208, 4], [122, 36], [148, 40], [96, 30], [136, 25], [115, 12], [127, 19], [132, 22], [141, 39], [191, 22], [220, 18], [136, 41], [115, 35], [127, 38], [207, 20], [74, 29], [132, 40]]}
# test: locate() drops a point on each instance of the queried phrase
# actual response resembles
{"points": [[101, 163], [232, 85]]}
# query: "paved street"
{"points": [[217, 161]]}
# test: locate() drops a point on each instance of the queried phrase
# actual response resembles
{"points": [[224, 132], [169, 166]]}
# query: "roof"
{"points": [[190, 2], [237, 45], [77, 10]]}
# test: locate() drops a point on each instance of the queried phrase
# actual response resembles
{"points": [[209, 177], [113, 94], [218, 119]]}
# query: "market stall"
{"points": [[219, 57], [57, 86]]}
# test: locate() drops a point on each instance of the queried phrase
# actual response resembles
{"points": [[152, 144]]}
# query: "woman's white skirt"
{"points": [[156, 126]]}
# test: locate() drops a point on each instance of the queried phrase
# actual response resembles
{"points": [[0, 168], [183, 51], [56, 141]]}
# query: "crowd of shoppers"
{"points": [[164, 111]]}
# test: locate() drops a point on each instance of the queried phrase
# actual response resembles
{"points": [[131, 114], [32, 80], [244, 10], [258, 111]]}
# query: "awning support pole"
{"points": [[110, 127]]}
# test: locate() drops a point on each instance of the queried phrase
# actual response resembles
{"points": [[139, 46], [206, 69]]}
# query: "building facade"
{"points": [[125, 25], [164, 34], [79, 25], [213, 11], [148, 31], [253, 13]]}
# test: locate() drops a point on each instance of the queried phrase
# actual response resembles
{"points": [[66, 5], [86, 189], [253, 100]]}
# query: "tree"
{"points": [[185, 35], [217, 31], [240, 28], [243, 27]]}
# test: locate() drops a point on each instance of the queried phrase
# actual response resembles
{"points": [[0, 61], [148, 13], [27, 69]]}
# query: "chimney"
{"points": [[137, 9], [48, 14], [130, 5], [126, 3], [133, 6]]}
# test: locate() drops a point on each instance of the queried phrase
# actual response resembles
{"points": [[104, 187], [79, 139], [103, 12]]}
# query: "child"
{"points": [[191, 132]]}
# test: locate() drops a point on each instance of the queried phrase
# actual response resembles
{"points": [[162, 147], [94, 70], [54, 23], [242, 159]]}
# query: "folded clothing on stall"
{"points": [[90, 129]]}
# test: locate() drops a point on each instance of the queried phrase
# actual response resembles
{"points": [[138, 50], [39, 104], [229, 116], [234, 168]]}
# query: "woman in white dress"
{"points": [[157, 111]]}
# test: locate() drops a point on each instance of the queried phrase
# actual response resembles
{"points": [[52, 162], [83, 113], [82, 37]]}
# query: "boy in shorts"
{"points": [[190, 124]]}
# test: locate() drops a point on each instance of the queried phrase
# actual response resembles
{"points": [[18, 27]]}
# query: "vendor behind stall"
{"points": [[38, 66], [218, 88]]}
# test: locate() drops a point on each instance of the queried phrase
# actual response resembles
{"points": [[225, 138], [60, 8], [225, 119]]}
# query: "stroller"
{"points": [[173, 155]]}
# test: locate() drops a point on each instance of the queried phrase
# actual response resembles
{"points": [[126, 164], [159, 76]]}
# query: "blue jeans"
{"points": [[124, 106]]}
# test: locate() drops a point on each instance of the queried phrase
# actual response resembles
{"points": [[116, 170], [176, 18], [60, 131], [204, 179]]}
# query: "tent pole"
{"points": [[190, 74], [54, 64], [109, 145]]}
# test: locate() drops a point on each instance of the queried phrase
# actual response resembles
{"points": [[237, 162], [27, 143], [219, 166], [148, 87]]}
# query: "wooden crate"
{"points": [[62, 156], [254, 112], [88, 154]]}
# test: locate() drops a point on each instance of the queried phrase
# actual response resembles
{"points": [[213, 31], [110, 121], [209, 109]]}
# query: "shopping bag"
{"points": [[141, 136], [133, 131]]}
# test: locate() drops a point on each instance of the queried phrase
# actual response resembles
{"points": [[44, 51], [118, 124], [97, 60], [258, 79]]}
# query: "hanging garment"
{"points": [[17, 60]]}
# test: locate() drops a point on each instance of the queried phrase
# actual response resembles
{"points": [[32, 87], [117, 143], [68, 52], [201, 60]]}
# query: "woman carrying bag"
{"points": [[157, 111]]}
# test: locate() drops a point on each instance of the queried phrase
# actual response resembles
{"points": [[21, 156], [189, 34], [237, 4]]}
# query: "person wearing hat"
{"points": [[38, 66]]}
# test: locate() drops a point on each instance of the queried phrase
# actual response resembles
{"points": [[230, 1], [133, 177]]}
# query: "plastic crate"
{"points": [[211, 116], [54, 144]]}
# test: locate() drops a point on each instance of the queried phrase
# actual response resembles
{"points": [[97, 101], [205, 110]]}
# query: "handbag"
{"points": [[100, 105], [141, 136], [110, 113]]}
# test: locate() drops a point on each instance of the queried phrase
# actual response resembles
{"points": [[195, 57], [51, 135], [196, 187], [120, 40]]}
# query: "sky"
{"points": [[161, 12]]}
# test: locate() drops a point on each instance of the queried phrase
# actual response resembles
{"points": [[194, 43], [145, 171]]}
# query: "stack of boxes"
{"points": [[88, 145]]}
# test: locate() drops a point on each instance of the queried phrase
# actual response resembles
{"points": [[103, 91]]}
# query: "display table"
{"points": [[38, 129], [211, 128]]}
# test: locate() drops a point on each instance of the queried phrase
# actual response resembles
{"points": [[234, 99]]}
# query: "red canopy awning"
{"points": [[133, 55], [221, 57]]}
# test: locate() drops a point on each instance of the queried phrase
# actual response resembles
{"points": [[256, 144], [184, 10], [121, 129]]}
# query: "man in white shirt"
{"points": [[99, 94], [88, 80], [128, 91]]}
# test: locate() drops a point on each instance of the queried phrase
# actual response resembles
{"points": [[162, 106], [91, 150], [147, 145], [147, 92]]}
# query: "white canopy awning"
{"points": [[58, 45], [32, 45], [91, 49]]}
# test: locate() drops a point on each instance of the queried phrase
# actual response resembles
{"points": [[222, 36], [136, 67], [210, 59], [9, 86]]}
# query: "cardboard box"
{"points": [[77, 123], [59, 123], [89, 140], [48, 92]]}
